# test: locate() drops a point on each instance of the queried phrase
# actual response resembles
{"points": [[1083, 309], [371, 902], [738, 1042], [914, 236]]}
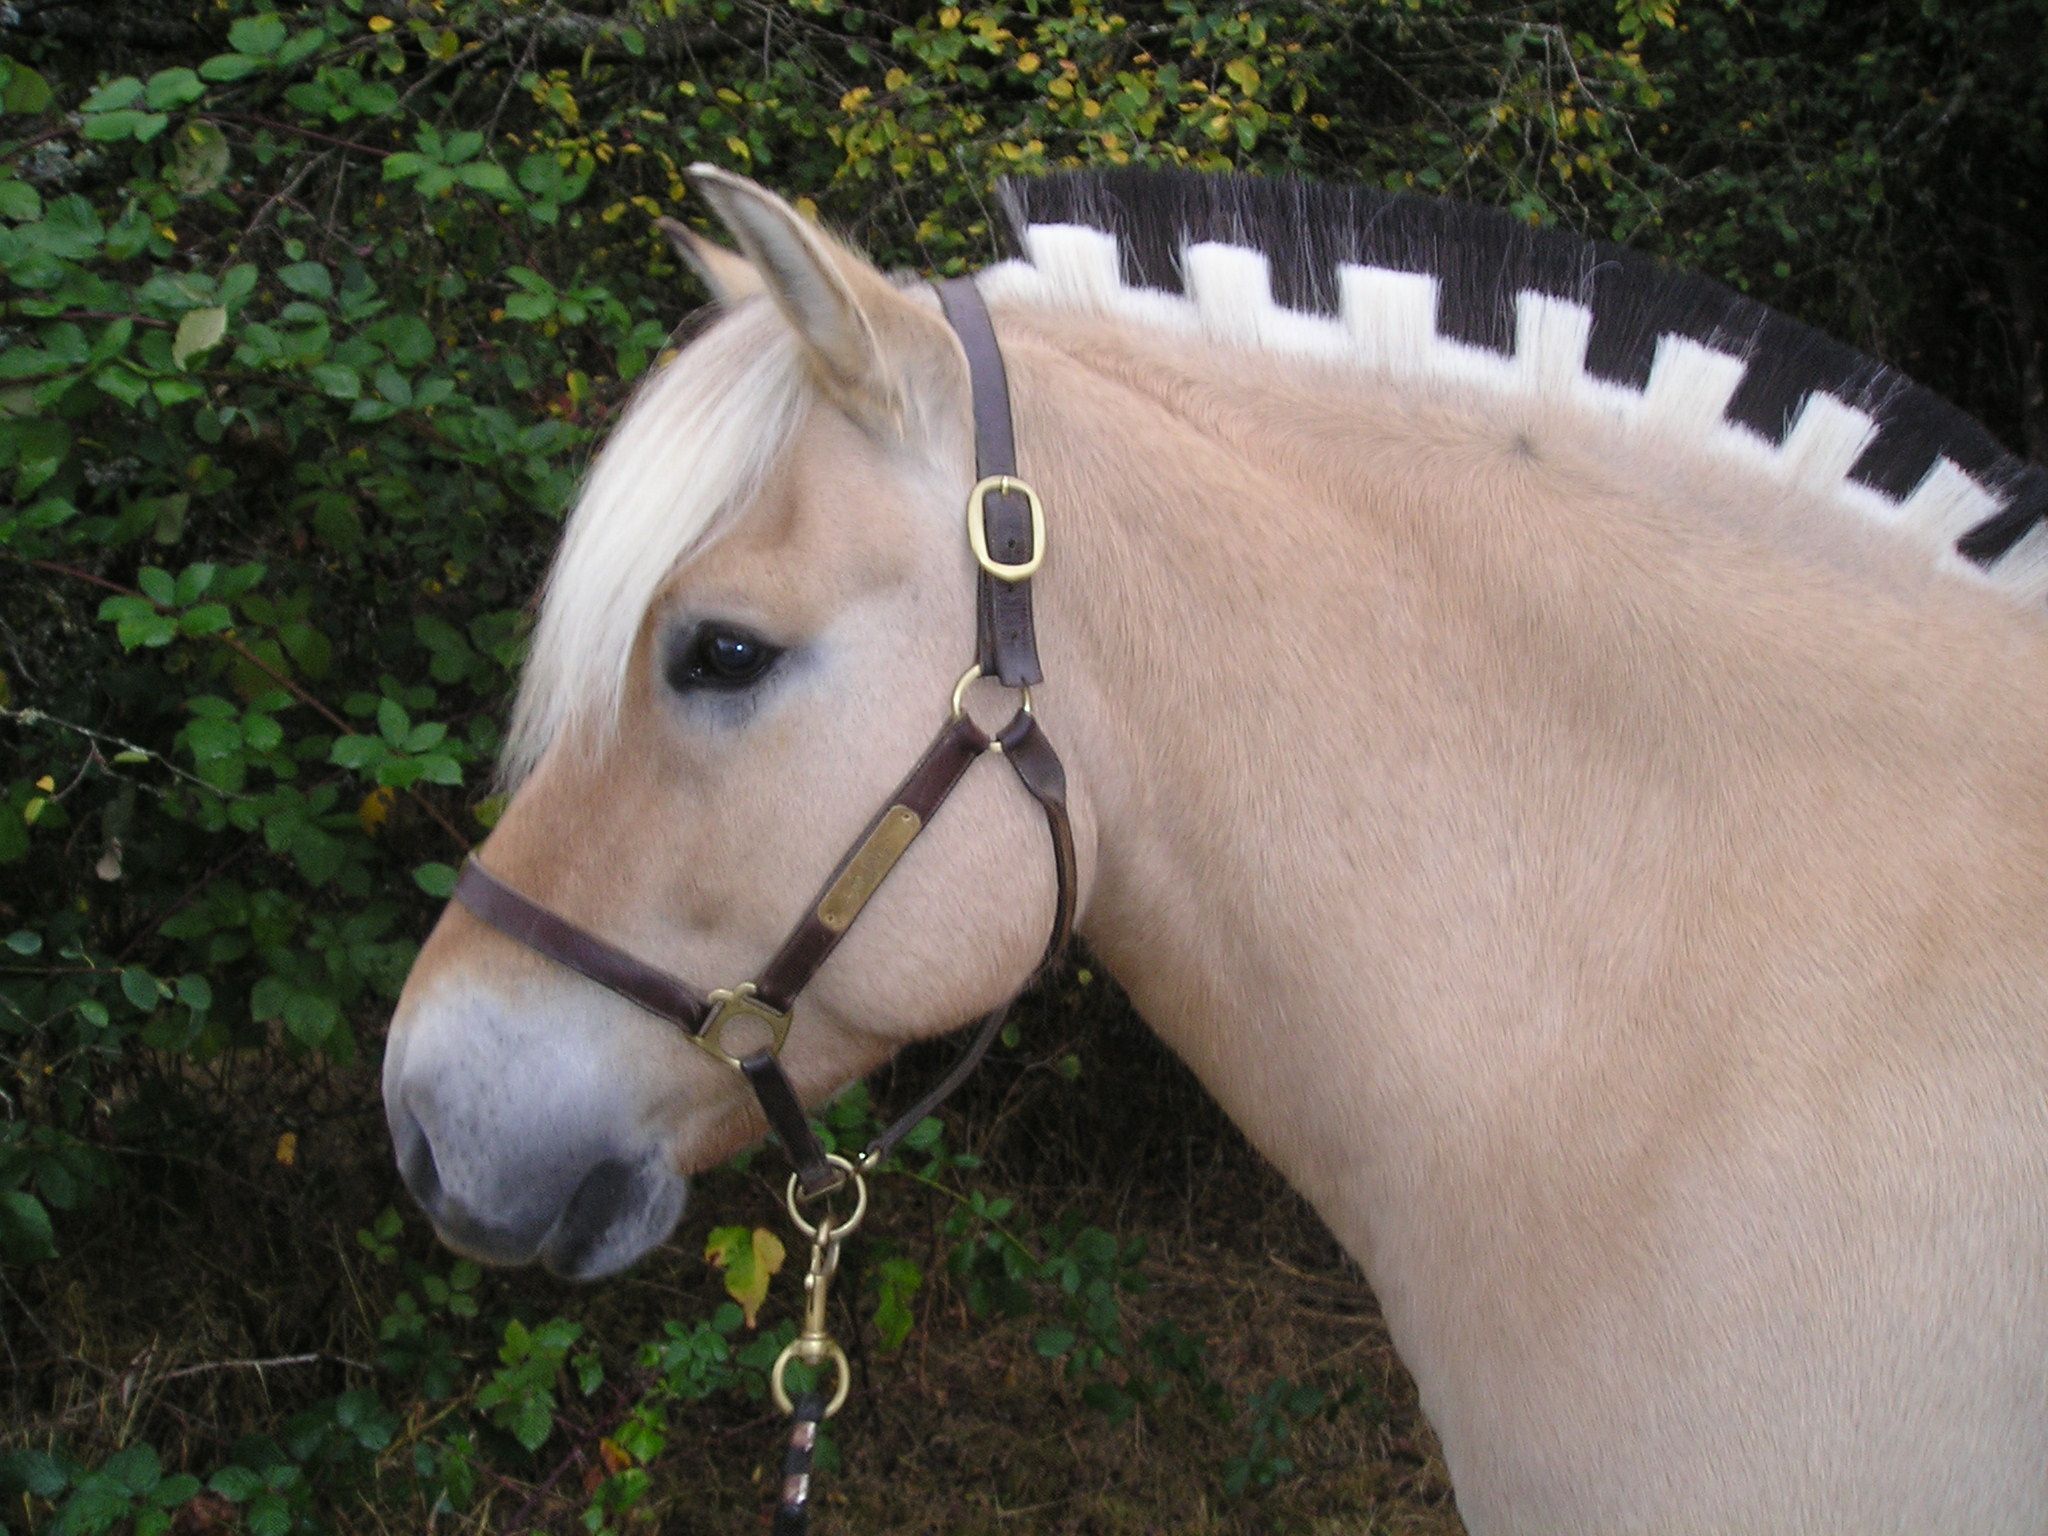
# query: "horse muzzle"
{"points": [[519, 1164]]}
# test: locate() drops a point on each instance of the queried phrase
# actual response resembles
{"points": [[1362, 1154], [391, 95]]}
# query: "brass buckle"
{"points": [[977, 527], [729, 1003]]}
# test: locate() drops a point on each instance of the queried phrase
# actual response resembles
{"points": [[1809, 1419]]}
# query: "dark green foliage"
{"points": [[310, 316]]}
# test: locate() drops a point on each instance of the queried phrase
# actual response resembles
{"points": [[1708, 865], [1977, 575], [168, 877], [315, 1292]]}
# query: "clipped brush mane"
{"points": [[1434, 286]]}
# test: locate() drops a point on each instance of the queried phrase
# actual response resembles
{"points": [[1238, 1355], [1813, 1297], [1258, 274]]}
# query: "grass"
{"points": [[226, 1289]]}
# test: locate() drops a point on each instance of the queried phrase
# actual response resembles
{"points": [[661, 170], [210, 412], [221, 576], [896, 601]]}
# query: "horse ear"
{"points": [[729, 275], [832, 296]]}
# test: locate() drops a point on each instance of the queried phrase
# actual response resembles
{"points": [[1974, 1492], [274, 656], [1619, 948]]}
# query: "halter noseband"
{"points": [[1006, 530]]}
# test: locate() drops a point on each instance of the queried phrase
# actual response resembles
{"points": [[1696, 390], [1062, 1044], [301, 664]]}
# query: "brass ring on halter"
{"points": [[813, 1353], [841, 1230], [967, 680]]}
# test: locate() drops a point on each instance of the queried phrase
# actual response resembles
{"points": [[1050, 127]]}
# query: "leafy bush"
{"points": [[313, 313]]}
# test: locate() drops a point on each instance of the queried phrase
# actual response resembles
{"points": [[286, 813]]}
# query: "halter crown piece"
{"points": [[1006, 531]]}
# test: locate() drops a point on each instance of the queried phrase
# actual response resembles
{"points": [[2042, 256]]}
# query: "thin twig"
{"points": [[106, 314], [315, 1358], [280, 126], [33, 716]]}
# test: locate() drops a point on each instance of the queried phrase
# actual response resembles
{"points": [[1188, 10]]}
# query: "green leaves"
{"points": [[112, 112], [153, 619], [25, 1231], [22, 90], [309, 1016], [169, 89], [520, 1398], [199, 331], [897, 1282], [308, 278], [257, 36], [438, 164], [138, 622]]}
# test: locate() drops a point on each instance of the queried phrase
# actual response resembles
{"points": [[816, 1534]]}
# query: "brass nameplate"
{"points": [[877, 856]]}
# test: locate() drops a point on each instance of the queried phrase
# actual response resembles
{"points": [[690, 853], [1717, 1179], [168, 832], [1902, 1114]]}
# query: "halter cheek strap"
{"points": [[1006, 530]]}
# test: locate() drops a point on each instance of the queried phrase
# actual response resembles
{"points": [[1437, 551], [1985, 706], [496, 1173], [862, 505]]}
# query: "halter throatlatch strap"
{"points": [[1006, 524]]}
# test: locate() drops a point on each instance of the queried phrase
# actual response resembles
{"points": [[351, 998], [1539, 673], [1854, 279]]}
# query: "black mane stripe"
{"points": [[1482, 258]]}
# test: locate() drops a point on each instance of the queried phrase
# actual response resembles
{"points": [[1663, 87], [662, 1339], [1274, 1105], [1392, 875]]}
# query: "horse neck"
{"points": [[1450, 778]]}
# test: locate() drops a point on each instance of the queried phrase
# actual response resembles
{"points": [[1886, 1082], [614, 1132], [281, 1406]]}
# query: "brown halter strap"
{"points": [[1006, 529]]}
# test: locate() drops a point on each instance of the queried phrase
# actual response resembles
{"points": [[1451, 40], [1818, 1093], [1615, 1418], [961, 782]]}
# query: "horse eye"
{"points": [[719, 656]]}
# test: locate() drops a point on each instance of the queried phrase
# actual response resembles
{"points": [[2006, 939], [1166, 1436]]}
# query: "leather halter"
{"points": [[1006, 530]]}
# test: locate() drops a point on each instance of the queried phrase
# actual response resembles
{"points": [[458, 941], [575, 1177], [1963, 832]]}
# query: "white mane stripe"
{"points": [[1690, 387], [1947, 504], [1232, 288], [1551, 337], [2024, 570], [1826, 441], [1390, 317], [1079, 264]]}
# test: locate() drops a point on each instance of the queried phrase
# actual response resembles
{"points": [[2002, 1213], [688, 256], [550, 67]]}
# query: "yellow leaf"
{"points": [[375, 809], [895, 80], [1028, 63], [381, 23], [748, 1259], [1245, 73], [46, 784], [949, 18], [288, 1149]]}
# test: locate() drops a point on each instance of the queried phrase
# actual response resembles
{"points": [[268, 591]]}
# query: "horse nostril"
{"points": [[416, 1165], [597, 1204]]}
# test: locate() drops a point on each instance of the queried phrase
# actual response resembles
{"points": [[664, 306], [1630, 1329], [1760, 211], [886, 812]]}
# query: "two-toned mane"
{"points": [[1465, 298], [1556, 745]]}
